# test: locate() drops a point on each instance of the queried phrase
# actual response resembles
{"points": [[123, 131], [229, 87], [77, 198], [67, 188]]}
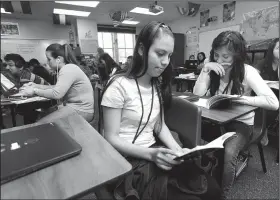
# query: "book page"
{"points": [[183, 96], [273, 84], [215, 144], [201, 102]]}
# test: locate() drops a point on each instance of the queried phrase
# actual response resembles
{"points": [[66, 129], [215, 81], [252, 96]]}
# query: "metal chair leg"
{"points": [[262, 157]]}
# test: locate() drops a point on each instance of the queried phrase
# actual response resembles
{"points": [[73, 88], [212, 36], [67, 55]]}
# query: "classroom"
{"points": [[144, 100]]}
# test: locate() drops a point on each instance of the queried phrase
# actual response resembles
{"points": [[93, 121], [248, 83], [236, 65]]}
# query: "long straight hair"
{"points": [[236, 44], [139, 64], [269, 58]]}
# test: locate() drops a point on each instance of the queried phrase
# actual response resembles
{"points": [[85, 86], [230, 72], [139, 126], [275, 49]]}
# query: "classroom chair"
{"points": [[96, 122], [184, 118], [259, 131]]}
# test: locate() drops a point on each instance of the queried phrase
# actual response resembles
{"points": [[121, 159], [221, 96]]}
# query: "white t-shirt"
{"points": [[123, 93], [248, 118]]}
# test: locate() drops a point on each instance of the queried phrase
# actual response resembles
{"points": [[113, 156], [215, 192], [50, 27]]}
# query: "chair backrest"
{"points": [[185, 119], [96, 95], [259, 126]]}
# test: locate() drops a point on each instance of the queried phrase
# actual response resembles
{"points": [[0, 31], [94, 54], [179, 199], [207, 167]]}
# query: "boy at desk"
{"points": [[17, 67], [227, 73]]}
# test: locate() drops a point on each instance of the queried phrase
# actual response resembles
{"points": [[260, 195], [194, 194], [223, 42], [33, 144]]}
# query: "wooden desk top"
{"points": [[98, 163], [222, 116]]}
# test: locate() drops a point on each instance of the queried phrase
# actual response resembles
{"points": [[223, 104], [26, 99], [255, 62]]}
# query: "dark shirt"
{"points": [[28, 76], [42, 72], [267, 72]]}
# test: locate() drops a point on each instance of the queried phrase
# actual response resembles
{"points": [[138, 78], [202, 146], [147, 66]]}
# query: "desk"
{"points": [[223, 116], [97, 164], [13, 104], [179, 83]]}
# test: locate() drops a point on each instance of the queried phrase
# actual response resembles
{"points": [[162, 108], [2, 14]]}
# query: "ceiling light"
{"points": [[71, 12], [92, 4], [130, 22], [4, 12], [144, 11]]}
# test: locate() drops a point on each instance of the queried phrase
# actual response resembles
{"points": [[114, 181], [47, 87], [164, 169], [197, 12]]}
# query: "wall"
{"points": [[87, 35], [185, 23], [35, 29]]}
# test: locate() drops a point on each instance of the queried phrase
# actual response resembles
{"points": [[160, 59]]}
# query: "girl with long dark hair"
{"points": [[228, 73], [133, 105]]}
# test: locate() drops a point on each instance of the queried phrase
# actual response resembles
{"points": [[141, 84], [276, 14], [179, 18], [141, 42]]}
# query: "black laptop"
{"points": [[27, 150], [191, 64]]}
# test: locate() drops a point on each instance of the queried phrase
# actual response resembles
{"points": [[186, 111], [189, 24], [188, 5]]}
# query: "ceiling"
{"points": [[42, 10]]}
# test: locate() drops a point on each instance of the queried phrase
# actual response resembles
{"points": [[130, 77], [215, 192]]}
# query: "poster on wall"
{"points": [[203, 18], [192, 37], [261, 24], [229, 11], [9, 28]]}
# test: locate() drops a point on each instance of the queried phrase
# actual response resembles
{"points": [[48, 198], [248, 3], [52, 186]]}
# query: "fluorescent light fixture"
{"points": [[144, 11], [70, 12], [130, 22], [4, 12], [91, 4]]}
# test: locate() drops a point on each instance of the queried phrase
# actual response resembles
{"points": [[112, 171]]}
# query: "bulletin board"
{"points": [[206, 38], [27, 48]]}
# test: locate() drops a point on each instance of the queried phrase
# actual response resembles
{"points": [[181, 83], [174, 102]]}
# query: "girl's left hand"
{"points": [[27, 91]]}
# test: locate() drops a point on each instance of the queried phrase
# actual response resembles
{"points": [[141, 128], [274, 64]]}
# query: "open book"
{"points": [[210, 147], [221, 101]]}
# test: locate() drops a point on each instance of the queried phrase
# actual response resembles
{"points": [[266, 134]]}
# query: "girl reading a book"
{"points": [[133, 105], [227, 73]]}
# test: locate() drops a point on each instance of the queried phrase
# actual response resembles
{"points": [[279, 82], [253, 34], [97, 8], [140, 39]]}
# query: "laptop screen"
{"points": [[6, 83]]}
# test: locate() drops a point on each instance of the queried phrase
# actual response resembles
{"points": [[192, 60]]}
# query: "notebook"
{"points": [[27, 150]]}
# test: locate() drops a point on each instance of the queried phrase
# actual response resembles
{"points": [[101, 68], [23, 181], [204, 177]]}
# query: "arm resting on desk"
{"points": [[202, 84], [65, 80], [43, 87], [265, 97]]}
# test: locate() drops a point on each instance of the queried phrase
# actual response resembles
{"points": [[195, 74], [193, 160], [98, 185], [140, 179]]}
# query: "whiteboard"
{"points": [[27, 48], [206, 38]]}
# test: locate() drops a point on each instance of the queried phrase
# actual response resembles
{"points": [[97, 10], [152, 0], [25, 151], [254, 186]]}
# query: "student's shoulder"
{"points": [[250, 69], [121, 80]]}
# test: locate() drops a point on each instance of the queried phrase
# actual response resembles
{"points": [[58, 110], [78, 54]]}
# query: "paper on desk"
{"points": [[201, 102], [32, 99]]}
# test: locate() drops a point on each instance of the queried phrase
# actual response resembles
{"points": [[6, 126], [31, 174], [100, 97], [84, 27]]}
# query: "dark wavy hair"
{"points": [[18, 60], [139, 64], [110, 63], [236, 44], [269, 58], [197, 57]]}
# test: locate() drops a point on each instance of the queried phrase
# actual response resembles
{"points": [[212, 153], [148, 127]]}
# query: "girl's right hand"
{"points": [[163, 158], [216, 67]]}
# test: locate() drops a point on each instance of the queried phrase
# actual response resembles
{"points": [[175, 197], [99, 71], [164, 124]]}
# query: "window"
{"points": [[118, 45], [105, 41], [125, 46]]}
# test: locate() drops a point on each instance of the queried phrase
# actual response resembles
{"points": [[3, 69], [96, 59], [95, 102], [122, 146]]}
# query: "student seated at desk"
{"points": [[234, 78], [36, 68], [18, 67], [133, 108], [200, 60], [269, 71], [22, 74], [73, 86]]}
